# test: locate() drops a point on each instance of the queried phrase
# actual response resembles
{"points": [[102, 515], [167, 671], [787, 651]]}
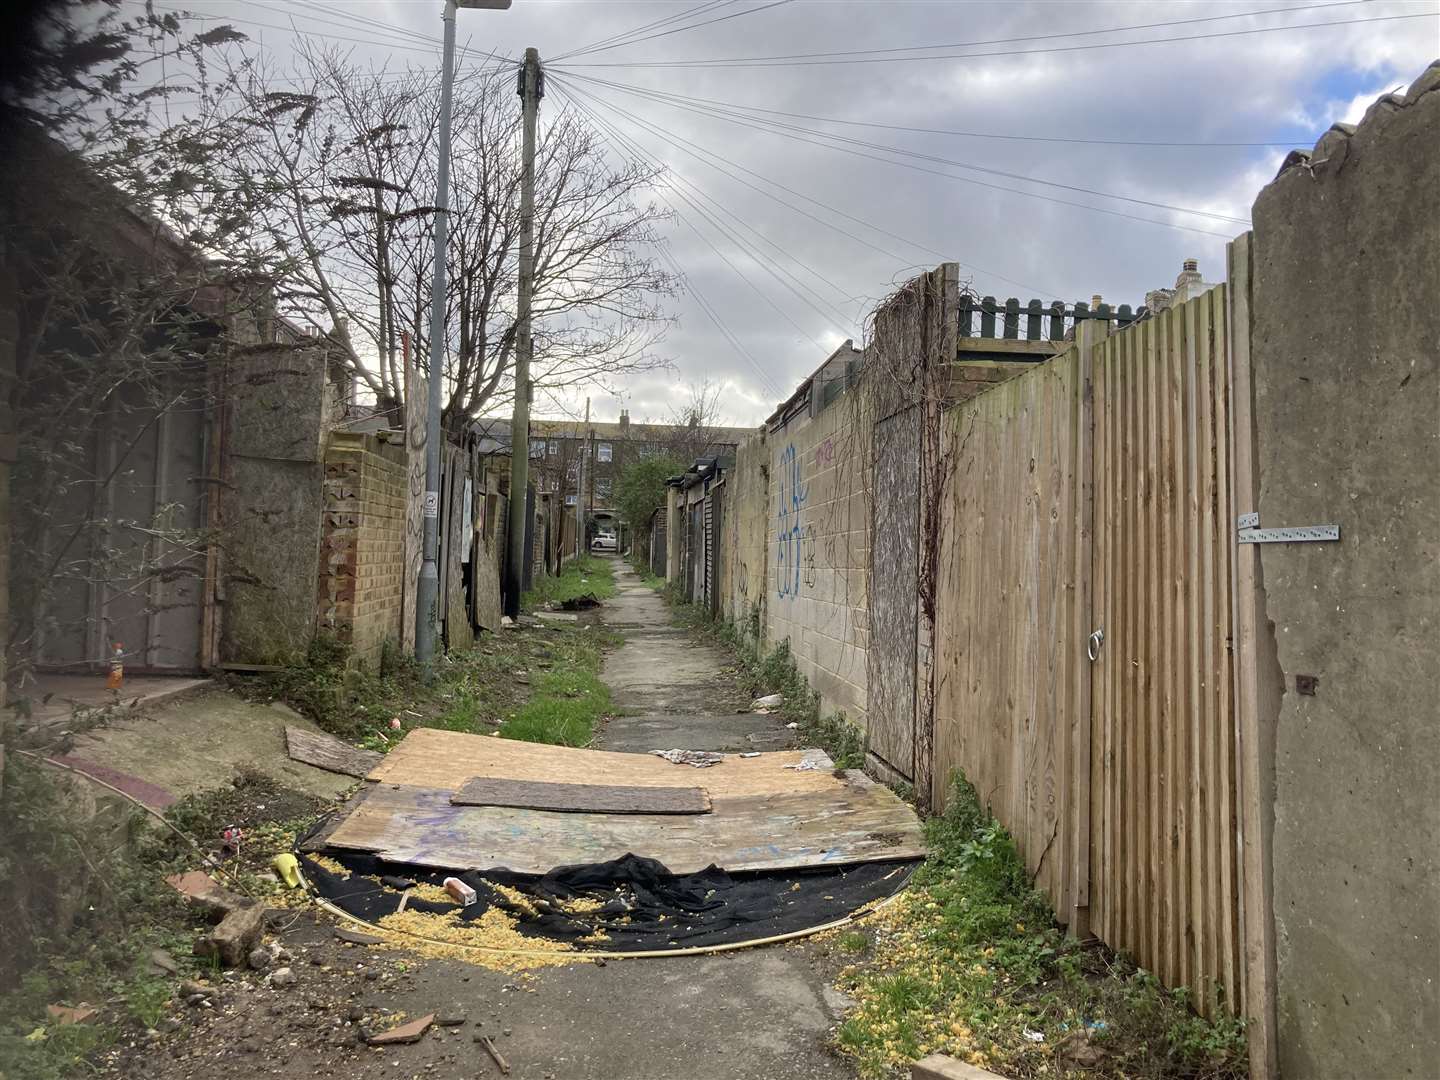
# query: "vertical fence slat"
{"points": [[1134, 795], [1258, 981], [1169, 823], [1227, 727], [1192, 659]]}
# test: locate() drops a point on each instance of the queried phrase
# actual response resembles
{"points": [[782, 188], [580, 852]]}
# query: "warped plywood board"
{"points": [[581, 798], [432, 758], [329, 753], [856, 821]]}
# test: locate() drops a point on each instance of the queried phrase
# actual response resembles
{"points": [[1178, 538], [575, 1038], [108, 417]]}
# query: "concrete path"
{"points": [[755, 1014], [674, 691], [751, 1015]]}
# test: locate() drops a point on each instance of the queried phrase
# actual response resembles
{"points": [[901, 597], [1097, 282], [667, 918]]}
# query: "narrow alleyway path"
{"points": [[754, 1014], [672, 689]]}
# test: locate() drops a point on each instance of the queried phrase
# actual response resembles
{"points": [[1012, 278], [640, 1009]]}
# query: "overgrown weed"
{"points": [[970, 962]]}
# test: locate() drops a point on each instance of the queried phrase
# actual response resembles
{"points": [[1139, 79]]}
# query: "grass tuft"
{"points": [[588, 575], [970, 960]]}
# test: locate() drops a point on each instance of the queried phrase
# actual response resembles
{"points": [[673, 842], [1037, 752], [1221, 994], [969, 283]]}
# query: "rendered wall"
{"points": [[278, 408], [1347, 415]]}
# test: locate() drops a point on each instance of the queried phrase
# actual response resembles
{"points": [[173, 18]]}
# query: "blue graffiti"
{"points": [[789, 531]]}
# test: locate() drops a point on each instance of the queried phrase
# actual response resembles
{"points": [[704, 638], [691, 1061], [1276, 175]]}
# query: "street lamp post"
{"points": [[428, 588]]}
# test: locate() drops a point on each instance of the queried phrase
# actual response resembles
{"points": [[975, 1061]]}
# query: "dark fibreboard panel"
{"points": [[581, 798], [894, 578]]}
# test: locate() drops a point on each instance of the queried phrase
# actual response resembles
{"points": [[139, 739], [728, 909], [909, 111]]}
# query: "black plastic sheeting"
{"points": [[642, 905]]}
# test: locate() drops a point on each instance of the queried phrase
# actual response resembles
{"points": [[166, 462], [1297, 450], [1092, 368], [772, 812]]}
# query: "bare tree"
{"points": [[339, 166], [692, 428]]}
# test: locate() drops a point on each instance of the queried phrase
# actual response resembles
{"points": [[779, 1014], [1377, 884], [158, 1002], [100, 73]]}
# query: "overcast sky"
{"points": [[1273, 87]]}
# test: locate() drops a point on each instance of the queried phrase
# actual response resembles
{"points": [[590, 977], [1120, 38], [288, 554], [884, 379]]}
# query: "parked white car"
{"points": [[604, 541]]}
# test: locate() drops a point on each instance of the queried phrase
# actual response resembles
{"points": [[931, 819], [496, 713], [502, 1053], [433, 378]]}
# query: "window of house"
{"points": [[537, 447], [570, 499], [602, 451], [602, 487], [553, 447]]}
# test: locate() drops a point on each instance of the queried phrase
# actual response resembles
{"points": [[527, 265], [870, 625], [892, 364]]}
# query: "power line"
{"points": [[695, 26], [709, 5], [1038, 37], [390, 44], [1077, 140], [663, 245], [786, 131], [705, 155], [1005, 52], [620, 143]]}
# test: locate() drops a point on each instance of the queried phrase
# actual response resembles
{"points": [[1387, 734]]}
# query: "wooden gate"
{"points": [[1164, 874], [894, 584], [1084, 678]]}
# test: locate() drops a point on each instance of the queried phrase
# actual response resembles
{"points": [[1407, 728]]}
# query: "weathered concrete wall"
{"points": [[747, 514], [8, 336], [819, 555], [279, 407], [1347, 397], [362, 555]]}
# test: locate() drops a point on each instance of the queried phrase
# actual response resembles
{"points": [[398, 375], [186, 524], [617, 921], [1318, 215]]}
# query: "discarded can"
{"points": [[464, 895]]}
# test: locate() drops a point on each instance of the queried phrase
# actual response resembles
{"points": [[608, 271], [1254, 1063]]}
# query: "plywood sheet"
{"points": [[429, 757], [329, 753], [858, 821], [581, 798]]}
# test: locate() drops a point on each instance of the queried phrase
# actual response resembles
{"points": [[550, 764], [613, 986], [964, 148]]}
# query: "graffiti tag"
{"points": [[807, 556], [825, 453], [788, 530]]}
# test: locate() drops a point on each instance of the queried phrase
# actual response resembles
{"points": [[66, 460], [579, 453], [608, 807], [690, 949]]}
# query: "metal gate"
{"points": [[124, 576], [714, 524]]}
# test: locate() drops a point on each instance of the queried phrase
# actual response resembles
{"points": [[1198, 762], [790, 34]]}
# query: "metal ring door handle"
{"points": [[1092, 650]]}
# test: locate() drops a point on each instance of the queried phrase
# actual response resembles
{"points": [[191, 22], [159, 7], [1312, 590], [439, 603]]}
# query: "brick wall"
{"points": [[362, 556]]}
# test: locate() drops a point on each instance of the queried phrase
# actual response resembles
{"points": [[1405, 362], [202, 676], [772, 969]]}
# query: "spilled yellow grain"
{"points": [[329, 864], [446, 937], [435, 894]]}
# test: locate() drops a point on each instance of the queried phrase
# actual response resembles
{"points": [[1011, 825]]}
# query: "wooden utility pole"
{"points": [[580, 488], [531, 89]]}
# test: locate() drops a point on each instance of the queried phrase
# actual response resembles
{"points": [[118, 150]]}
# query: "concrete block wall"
{"points": [[818, 562], [362, 558]]}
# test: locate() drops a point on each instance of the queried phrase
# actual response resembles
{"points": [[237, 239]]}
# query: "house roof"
{"points": [[494, 434]]}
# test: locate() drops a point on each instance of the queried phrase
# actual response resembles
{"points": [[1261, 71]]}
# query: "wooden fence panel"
{"points": [[1006, 628], [1095, 492], [1165, 879]]}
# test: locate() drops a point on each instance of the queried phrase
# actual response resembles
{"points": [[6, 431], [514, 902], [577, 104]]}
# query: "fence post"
{"points": [[1090, 336], [1254, 696]]}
